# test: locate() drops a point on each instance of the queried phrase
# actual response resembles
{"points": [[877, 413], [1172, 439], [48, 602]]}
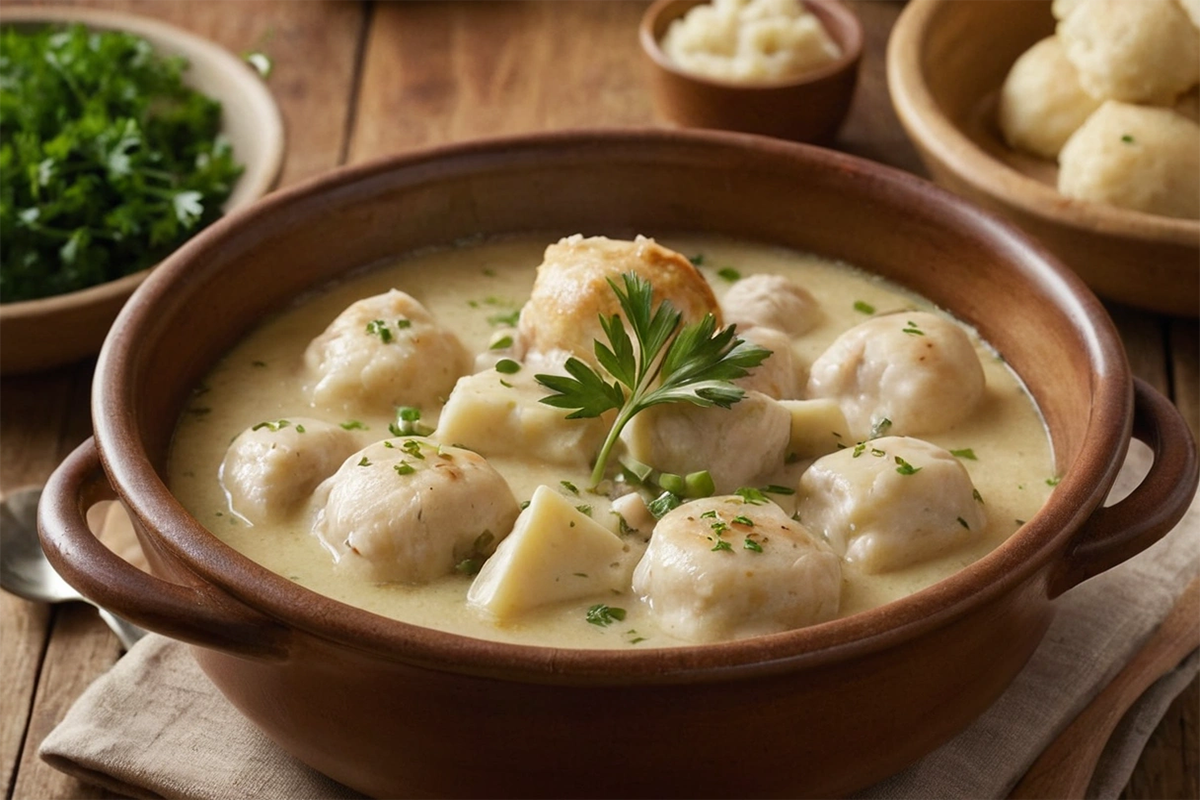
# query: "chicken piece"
{"points": [[1041, 101], [891, 502], [1134, 51], [770, 301], [778, 376], [381, 352], [271, 469], [499, 414], [409, 510], [571, 291], [912, 373], [556, 553], [720, 568], [737, 445]]}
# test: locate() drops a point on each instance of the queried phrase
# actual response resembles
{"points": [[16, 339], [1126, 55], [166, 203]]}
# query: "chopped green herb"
{"points": [[503, 343], [353, 425], [859, 449], [966, 453], [1053, 481], [524, 505], [875, 451], [710, 514], [469, 566], [408, 423], [378, 327], [570, 487], [912, 330], [365, 462], [603, 615], [1127, 139], [722, 545], [506, 366], [963, 522], [506, 320], [978, 497], [750, 544], [1020, 521], [404, 468], [905, 468], [880, 428], [413, 448], [403, 323], [584, 509], [505, 384], [694, 364], [299, 428], [772, 488], [863, 307], [743, 520], [274, 426], [729, 273], [719, 527], [697, 260], [753, 496], [660, 505]]}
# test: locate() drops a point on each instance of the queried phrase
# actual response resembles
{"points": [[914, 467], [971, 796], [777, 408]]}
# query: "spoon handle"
{"points": [[1064, 770]]}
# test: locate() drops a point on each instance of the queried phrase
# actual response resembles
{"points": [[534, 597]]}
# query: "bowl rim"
{"points": [[851, 49], [129, 467], [255, 181], [928, 125]]}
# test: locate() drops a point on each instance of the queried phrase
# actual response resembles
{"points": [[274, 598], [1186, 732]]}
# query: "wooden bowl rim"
{"points": [[256, 180], [927, 123], [852, 48]]}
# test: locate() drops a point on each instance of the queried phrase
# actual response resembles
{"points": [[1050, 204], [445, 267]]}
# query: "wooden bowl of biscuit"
{"points": [[1088, 141]]}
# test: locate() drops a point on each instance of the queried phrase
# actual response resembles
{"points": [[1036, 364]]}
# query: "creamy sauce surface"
{"points": [[477, 290]]}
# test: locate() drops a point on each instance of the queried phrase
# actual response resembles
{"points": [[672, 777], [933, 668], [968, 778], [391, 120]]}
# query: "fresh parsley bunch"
{"points": [[661, 364], [107, 161]]}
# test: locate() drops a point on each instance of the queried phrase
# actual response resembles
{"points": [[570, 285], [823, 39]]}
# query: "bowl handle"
{"points": [[1120, 531], [201, 614]]}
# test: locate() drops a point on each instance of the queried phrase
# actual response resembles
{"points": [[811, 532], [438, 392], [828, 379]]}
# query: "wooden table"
{"points": [[357, 80]]}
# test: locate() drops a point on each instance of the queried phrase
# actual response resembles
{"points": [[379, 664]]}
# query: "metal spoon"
{"points": [[25, 572]]}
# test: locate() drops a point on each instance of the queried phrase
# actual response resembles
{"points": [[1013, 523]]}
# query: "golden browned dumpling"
{"points": [[381, 352], [571, 290], [721, 568]]}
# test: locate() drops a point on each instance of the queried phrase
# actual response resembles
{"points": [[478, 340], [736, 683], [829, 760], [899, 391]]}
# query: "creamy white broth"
{"points": [[471, 289]]}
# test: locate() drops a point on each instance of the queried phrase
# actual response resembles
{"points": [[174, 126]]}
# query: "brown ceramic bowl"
{"points": [[392, 709], [49, 332], [946, 62], [809, 108]]}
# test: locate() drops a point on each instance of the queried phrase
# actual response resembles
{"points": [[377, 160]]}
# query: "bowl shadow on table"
{"points": [[945, 92]]}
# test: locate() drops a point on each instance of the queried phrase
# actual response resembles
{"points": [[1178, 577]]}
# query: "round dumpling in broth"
{"points": [[891, 502], [1136, 51], [720, 568], [381, 352], [272, 468], [778, 376], [770, 301], [1041, 101], [1138, 157], [911, 373], [410, 510], [571, 291]]}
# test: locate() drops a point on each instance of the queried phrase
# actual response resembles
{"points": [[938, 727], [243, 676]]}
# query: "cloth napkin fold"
{"points": [[153, 726]]}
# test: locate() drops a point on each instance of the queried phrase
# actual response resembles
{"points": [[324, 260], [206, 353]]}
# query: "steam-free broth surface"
{"points": [[476, 290]]}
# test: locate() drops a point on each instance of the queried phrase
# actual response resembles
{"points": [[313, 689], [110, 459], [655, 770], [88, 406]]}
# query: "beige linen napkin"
{"points": [[155, 727]]}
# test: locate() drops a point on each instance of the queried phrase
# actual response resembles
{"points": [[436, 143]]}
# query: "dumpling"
{"points": [[381, 352], [737, 445], [891, 502], [500, 414], [720, 568], [272, 468], [1138, 157], [1136, 51], [910, 373], [779, 375], [770, 301], [571, 291], [1041, 101], [410, 510]]}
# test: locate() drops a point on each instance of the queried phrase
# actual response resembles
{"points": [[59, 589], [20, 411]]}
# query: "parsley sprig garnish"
{"points": [[663, 363]]}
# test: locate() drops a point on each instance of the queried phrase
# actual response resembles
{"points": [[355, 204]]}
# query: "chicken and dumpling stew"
{"points": [[613, 444]]}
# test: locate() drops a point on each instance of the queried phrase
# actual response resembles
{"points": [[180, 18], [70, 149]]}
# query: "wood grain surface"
{"points": [[358, 80]]}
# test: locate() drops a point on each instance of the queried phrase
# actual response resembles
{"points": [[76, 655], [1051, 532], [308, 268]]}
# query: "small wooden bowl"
{"points": [[946, 62], [52, 331], [809, 108]]}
